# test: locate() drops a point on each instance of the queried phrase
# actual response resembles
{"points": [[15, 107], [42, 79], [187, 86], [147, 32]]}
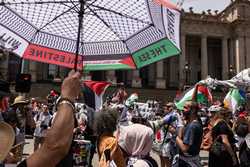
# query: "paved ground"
{"points": [[28, 149]]}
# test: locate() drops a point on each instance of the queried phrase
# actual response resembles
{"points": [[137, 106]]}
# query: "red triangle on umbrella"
{"points": [[166, 3], [128, 61]]}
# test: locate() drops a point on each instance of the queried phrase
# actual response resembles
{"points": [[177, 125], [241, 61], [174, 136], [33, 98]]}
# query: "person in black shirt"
{"points": [[222, 152]]}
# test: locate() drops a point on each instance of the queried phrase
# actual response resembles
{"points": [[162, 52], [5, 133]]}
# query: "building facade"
{"points": [[213, 43]]}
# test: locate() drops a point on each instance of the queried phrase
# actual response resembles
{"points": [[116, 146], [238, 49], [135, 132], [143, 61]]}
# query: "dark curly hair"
{"points": [[106, 121]]}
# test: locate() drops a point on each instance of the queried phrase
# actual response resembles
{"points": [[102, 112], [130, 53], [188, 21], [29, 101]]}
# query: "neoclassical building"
{"points": [[213, 43]]}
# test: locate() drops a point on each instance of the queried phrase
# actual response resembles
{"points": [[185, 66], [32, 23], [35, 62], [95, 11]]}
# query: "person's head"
{"points": [[7, 137], [135, 140], [224, 114], [45, 108], [106, 121], [190, 110], [213, 110], [20, 102], [168, 107], [242, 129]]}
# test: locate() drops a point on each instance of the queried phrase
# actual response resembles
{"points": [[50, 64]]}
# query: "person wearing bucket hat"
{"points": [[7, 137]]}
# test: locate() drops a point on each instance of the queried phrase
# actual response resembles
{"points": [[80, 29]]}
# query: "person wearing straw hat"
{"points": [[24, 116], [7, 137]]}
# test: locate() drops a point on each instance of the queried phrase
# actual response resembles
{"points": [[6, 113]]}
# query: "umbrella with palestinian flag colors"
{"points": [[91, 34], [199, 93], [93, 92]]}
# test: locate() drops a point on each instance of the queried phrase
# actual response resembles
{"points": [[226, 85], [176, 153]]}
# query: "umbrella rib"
{"points": [[38, 30], [104, 22], [120, 14], [56, 18], [71, 6], [30, 3]]}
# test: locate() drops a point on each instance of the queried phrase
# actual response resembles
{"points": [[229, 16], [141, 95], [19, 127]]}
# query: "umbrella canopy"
{"points": [[107, 34]]}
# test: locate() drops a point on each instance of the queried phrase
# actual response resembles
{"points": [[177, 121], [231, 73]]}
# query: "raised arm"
{"points": [[59, 137]]}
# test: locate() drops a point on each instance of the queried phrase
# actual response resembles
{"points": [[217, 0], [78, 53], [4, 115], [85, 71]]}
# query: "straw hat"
{"points": [[7, 137], [20, 100]]}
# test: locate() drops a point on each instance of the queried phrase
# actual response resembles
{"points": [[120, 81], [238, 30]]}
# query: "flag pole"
{"points": [[80, 16]]}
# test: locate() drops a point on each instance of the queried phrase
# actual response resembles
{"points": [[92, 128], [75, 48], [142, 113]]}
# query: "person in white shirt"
{"points": [[42, 120]]}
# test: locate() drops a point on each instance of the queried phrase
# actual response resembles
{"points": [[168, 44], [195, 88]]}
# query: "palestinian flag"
{"points": [[199, 94], [93, 92], [234, 99], [167, 4]]}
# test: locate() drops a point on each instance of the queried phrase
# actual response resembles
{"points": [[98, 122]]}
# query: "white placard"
{"points": [[12, 42]]}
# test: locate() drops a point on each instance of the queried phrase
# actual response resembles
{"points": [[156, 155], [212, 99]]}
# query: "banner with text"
{"points": [[52, 56], [12, 42], [155, 52], [171, 20]]}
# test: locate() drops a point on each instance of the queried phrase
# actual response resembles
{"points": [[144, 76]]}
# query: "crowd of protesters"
{"points": [[68, 133]]}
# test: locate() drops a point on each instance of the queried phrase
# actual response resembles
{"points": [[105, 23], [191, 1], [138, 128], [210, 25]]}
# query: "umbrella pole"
{"points": [[81, 12]]}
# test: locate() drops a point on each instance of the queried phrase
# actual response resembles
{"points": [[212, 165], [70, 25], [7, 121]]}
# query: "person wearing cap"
{"points": [[189, 138], [222, 133]]}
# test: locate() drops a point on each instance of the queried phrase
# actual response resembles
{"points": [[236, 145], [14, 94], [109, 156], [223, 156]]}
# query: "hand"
{"points": [[169, 118], [179, 121], [71, 86]]}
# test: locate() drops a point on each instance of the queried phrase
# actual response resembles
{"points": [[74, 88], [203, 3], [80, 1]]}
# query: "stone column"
{"points": [[225, 56], [33, 70], [240, 54], [136, 81], [248, 52], [110, 76], [182, 60], [204, 59], [160, 81], [152, 75]]}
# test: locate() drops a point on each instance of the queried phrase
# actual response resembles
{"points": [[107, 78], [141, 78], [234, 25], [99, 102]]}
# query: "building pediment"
{"points": [[237, 10]]}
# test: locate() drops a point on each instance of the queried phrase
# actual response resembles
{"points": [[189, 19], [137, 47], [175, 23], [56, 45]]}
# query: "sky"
{"points": [[200, 5]]}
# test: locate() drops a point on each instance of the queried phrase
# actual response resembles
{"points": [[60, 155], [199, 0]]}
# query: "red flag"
{"points": [[93, 92]]}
